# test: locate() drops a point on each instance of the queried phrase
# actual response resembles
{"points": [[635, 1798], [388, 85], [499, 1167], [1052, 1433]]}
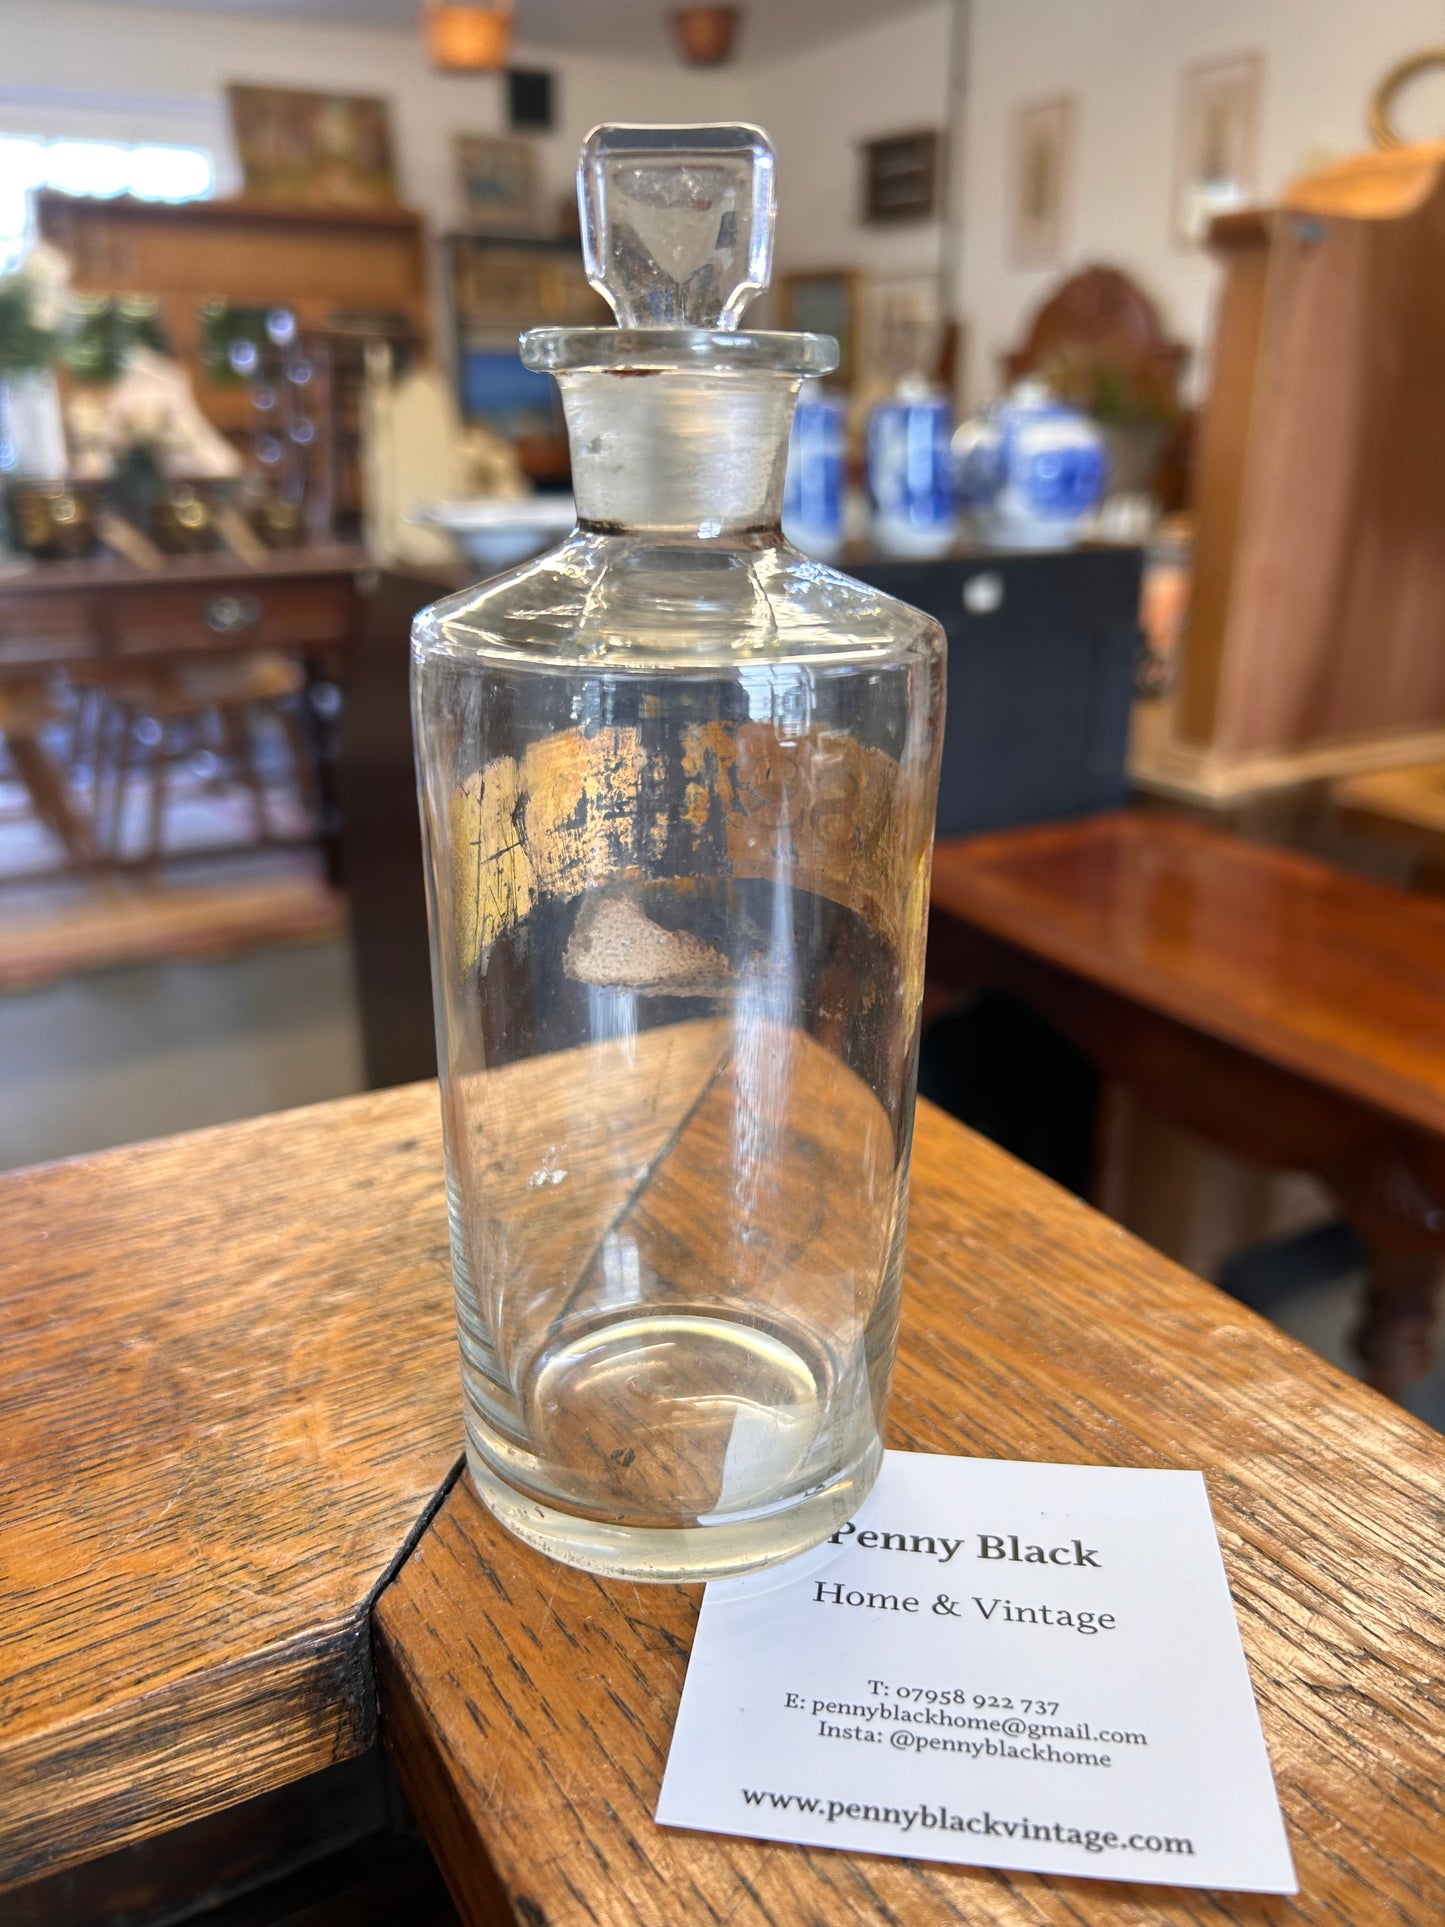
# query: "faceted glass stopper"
{"points": [[677, 222]]}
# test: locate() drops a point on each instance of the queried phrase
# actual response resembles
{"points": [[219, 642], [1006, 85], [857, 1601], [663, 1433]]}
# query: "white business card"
{"points": [[1002, 1665]]}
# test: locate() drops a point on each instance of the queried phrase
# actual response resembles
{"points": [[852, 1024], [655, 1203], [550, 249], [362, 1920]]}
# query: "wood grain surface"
{"points": [[529, 1707], [1402, 806], [1322, 973], [229, 1399], [1321, 457]]}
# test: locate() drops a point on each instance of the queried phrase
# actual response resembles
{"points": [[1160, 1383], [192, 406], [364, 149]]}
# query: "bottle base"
{"points": [[683, 1555]]}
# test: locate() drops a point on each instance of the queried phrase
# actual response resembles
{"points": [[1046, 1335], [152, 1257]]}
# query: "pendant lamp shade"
{"points": [[705, 34], [469, 39]]}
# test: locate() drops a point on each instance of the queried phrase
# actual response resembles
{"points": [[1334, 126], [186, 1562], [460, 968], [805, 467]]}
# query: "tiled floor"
{"points": [[135, 1053]]}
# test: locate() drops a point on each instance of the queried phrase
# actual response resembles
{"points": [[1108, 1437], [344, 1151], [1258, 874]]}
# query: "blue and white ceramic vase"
{"points": [[815, 488], [910, 472], [1033, 469]]}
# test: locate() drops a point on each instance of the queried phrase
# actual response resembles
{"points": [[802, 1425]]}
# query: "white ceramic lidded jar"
{"points": [[678, 785], [1033, 469]]}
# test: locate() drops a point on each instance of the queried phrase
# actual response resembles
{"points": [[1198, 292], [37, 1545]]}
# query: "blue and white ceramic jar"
{"points": [[814, 492], [910, 472], [1034, 469]]}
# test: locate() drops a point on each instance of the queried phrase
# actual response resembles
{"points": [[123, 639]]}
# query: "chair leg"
{"points": [[299, 744], [160, 766], [122, 735], [88, 753], [236, 718], [49, 798]]}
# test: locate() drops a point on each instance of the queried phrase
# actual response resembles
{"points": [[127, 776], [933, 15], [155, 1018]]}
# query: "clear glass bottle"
{"points": [[677, 787]]}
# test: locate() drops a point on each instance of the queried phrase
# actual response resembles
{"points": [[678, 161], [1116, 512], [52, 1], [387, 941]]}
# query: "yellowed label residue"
{"points": [[818, 808]]}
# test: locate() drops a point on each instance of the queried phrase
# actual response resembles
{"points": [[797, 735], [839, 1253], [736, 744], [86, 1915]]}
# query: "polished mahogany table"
{"points": [[1283, 1009], [236, 1550]]}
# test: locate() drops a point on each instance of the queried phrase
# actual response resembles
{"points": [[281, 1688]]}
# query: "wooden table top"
{"points": [[230, 1405], [1310, 968], [1410, 799], [229, 1397], [529, 1707], [105, 573]]}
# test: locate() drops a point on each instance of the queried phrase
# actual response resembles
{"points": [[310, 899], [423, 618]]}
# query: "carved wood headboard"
{"points": [[1099, 308]]}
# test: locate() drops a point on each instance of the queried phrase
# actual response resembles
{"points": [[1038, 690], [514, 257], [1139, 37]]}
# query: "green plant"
{"points": [[232, 341], [25, 345], [107, 331]]}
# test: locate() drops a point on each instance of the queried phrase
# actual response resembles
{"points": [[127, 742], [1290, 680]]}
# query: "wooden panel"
{"points": [[47, 629], [202, 1864], [230, 1396], [245, 252], [1332, 583], [529, 1707], [244, 614], [381, 834], [1221, 465], [1104, 311], [1309, 968], [71, 612]]}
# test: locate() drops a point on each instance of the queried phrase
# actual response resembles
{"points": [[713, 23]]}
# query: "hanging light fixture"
{"points": [[705, 34], [468, 39]]}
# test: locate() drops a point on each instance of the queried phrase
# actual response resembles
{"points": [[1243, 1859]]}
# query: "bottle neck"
{"points": [[679, 451]]}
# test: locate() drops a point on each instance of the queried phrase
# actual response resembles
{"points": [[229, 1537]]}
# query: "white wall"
{"points": [[66, 67], [820, 106], [69, 66], [1121, 59], [138, 73]]}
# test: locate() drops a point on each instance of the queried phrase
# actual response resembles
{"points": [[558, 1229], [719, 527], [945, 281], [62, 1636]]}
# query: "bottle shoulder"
{"points": [[617, 601]]}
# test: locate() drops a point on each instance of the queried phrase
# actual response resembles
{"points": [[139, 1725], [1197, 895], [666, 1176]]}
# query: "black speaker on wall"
{"points": [[529, 99]]}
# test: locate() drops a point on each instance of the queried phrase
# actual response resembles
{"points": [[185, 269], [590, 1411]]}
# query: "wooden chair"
{"points": [[192, 705], [27, 710]]}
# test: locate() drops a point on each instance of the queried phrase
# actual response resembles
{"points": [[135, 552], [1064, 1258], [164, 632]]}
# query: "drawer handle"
{"points": [[229, 615], [983, 593]]}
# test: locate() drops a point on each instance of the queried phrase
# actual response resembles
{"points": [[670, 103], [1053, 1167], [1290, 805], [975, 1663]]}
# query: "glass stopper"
{"points": [[677, 222]]}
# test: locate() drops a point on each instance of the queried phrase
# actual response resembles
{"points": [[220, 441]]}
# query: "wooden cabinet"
{"points": [[348, 276], [1041, 655], [1318, 615]]}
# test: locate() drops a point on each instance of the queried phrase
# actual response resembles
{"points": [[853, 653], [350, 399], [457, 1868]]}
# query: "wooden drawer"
{"points": [[39, 632], [242, 614]]}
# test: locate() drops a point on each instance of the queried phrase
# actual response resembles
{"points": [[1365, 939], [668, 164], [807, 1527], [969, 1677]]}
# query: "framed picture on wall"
{"points": [[901, 177], [1216, 143], [825, 302], [900, 329], [497, 176], [313, 150], [1041, 181]]}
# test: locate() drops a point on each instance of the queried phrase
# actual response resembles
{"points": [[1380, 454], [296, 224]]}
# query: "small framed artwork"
{"points": [[900, 329], [499, 184], [825, 302], [900, 177], [1217, 142], [1041, 182], [313, 150]]}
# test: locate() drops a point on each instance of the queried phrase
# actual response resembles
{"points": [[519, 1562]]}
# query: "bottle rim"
{"points": [[657, 350]]}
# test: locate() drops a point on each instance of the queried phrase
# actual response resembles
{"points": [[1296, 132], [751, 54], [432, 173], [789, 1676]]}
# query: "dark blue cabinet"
{"points": [[1041, 656]]}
